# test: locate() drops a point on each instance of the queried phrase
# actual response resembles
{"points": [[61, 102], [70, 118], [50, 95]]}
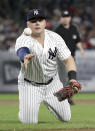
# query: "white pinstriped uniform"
{"points": [[42, 68]]}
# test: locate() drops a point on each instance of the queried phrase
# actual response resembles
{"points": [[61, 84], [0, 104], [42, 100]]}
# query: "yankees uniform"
{"points": [[38, 83]]}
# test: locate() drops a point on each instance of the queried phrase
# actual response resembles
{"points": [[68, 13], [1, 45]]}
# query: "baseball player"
{"points": [[38, 79]]}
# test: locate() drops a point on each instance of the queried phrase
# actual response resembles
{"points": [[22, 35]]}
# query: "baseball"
{"points": [[27, 31]]}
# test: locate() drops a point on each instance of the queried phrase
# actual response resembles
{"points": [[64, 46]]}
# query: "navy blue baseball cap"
{"points": [[35, 13], [66, 13]]}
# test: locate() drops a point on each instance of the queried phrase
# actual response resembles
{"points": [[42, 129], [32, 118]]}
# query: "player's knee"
{"points": [[27, 120], [64, 118], [67, 118]]}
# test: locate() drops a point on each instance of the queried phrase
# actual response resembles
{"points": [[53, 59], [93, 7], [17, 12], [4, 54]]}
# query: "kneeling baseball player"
{"points": [[38, 80]]}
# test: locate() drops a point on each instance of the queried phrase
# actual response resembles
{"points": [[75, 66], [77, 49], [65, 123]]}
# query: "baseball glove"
{"points": [[68, 91]]}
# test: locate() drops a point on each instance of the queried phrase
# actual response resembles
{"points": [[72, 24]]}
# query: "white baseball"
{"points": [[27, 31]]}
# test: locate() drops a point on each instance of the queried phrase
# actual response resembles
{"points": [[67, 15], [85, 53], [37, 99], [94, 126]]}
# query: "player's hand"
{"points": [[27, 58], [73, 87]]}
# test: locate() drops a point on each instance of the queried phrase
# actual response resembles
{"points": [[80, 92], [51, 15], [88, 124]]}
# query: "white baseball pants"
{"points": [[31, 96]]}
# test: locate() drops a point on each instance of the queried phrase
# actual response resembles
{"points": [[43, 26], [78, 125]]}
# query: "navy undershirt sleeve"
{"points": [[21, 52]]}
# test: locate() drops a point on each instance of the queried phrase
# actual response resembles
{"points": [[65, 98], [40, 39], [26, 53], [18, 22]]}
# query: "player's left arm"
{"points": [[73, 86], [71, 68], [64, 54], [70, 64]]}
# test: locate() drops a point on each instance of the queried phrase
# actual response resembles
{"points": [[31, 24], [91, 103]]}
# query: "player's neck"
{"points": [[38, 35], [40, 38]]}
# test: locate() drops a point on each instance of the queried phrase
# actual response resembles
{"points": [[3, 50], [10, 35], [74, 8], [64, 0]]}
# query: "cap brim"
{"points": [[37, 17]]}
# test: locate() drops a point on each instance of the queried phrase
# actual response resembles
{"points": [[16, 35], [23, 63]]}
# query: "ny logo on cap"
{"points": [[36, 12]]}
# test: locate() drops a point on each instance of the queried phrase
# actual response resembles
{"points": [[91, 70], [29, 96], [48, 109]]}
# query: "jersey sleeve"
{"points": [[62, 49]]}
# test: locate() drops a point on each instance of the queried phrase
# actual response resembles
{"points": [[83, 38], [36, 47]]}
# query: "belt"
{"points": [[35, 83]]}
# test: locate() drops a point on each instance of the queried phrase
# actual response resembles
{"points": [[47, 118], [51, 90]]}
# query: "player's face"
{"points": [[37, 25], [66, 20]]}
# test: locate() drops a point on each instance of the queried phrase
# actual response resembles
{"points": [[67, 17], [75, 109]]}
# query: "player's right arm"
{"points": [[22, 51], [27, 58]]}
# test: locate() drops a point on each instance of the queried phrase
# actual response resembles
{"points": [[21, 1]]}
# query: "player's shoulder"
{"points": [[52, 34], [22, 37]]}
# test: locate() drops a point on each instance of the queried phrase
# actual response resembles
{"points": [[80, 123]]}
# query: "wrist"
{"points": [[72, 80], [72, 75]]}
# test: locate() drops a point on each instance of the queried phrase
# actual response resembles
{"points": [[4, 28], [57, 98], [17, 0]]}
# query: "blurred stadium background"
{"points": [[12, 23]]}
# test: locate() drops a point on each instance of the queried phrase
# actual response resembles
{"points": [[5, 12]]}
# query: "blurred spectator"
{"points": [[12, 17]]}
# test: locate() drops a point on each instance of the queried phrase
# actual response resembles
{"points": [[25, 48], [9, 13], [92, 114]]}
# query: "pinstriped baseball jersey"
{"points": [[41, 69], [43, 66]]}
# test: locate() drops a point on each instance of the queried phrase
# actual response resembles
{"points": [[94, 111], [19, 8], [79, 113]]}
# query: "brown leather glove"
{"points": [[68, 91]]}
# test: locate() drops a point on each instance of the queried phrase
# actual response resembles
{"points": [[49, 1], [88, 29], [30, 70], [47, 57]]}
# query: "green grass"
{"points": [[5, 96], [84, 96], [83, 116]]}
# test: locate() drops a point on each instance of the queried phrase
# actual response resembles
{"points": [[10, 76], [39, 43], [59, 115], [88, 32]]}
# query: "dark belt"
{"points": [[36, 83]]}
